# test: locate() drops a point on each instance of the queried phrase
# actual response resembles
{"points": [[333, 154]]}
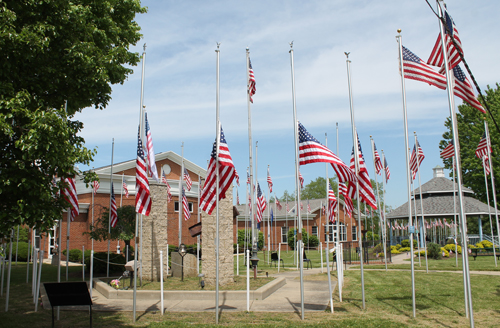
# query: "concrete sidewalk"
{"points": [[285, 299]]}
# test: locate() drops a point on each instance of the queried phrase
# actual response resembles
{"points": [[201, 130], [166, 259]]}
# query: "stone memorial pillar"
{"points": [[208, 234], [154, 232]]}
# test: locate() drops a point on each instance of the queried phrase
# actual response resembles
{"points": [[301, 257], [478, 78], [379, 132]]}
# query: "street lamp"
{"points": [[254, 259], [182, 253]]}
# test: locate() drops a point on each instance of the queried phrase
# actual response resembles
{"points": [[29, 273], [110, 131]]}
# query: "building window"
{"points": [[354, 233], [333, 232], [343, 232], [328, 227], [284, 234], [314, 231], [176, 207]]}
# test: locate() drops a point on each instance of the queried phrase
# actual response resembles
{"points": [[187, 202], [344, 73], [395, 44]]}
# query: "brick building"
{"points": [[314, 223], [168, 162]]}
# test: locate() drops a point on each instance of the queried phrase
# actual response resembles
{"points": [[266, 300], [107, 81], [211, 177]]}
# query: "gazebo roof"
{"points": [[437, 195]]}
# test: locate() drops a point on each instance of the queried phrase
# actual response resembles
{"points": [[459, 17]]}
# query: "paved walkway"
{"points": [[285, 299]]}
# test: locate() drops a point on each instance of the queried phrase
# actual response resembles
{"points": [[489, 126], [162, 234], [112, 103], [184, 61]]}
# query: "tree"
{"points": [[59, 57], [317, 188], [124, 230], [470, 123]]}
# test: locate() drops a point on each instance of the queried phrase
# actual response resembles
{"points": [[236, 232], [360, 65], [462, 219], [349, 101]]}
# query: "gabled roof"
{"points": [[170, 155]]}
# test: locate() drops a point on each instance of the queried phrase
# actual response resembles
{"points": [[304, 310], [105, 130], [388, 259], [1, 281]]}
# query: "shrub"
{"points": [[75, 255], [406, 243], [486, 244], [22, 251], [471, 246], [434, 251], [395, 251], [313, 240], [450, 241], [379, 248], [444, 252], [451, 247], [404, 249], [398, 246], [422, 253]]}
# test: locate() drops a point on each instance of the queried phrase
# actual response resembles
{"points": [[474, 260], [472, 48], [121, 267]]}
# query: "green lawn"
{"points": [[439, 303], [482, 263]]}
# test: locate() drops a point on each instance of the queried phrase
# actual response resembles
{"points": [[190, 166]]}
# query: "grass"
{"points": [[192, 283], [439, 303], [482, 263]]}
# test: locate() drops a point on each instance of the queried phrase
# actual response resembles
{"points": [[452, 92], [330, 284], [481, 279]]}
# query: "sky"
{"points": [[180, 82]]}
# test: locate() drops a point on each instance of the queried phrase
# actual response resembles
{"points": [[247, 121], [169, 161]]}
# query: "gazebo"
{"points": [[437, 195]]}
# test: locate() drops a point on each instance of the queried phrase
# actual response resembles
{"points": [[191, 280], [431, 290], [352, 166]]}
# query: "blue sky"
{"points": [[179, 95]]}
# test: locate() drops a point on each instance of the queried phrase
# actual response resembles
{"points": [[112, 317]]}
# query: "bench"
{"points": [[274, 258], [484, 252], [306, 260]]}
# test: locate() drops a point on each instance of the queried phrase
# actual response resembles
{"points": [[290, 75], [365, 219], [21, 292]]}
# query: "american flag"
{"points": [[312, 151], [332, 204], [237, 197], [251, 82], [366, 190], [348, 205], [125, 187], [342, 189], [278, 204], [301, 179], [269, 181], [446, 224], [436, 58], [226, 175], [248, 178], [308, 207], [287, 207], [187, 178], [185, 205], [237, 177], [114, 213], [150, 151], [482, 147], [416, 69], [486, 165], [301, 206], [448, 151], [142, 195], [463, 89], [163, 177], [378, 162], [413, 159], [169, 193], [387, 171], [95, 185], [71, 197], [261, 203]]}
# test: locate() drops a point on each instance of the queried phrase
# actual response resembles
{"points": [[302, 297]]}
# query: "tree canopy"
{"points": [[471, 128], [125, 227], [59, 57]]}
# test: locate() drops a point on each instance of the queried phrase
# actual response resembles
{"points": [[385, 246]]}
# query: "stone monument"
{"points": [[154, 234], [208, 234]]}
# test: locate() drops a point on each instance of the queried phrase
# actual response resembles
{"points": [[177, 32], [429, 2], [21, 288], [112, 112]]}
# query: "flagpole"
{"points": [[384, 179], [121, 190], [456, 145], [110, 196], [247, 215], [198, 221], [408, 173], [493, 189], [138, 217], [250, 160], [217, 121], [416, 220], [455, 214], [378, 203], [268, 221], [356, 163], [422, 209], [338, 202], [489, 210], [327, 222], [296, 130], [181, 210]]}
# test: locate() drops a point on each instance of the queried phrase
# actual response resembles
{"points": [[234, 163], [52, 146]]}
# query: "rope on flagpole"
{"points": [[465, 64]]}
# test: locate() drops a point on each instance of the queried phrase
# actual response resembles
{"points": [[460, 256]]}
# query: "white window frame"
{"points": [[190, 205], [354, 233], [284, 230]]}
